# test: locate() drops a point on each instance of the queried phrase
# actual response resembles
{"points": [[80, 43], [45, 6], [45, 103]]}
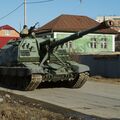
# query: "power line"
{"points": [[12, 11], [43, 1]]}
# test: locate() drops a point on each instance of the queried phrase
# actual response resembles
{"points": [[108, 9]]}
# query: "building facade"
{"points": [[7, 33], [89, 44]]}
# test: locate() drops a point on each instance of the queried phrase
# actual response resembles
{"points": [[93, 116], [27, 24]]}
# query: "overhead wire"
{"points": [[42, 1], [11, 11]]}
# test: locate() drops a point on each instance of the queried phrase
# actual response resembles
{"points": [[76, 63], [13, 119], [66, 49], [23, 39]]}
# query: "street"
{"points": [[94, 98]]}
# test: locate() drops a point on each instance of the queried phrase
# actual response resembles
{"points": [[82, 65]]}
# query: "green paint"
{"points": [[28, 51], [103, 43]]}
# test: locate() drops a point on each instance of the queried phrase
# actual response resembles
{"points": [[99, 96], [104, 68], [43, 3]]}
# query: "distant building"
{"points": [[116, 20], [7, 33], [116, 27]]}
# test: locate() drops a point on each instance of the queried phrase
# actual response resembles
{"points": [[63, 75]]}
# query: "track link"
{"points": [[80, 81], [36, 79]]}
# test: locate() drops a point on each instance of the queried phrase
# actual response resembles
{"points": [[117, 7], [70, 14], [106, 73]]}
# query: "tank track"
{"points": [[83, 77], [28, 83], [36, 79], [79, 80]]}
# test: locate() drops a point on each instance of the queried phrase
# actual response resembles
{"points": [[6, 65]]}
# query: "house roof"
{"points": [[71, 23], [7, 27]]}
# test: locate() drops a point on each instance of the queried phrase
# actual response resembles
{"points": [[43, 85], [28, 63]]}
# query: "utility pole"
{"points": [[25, 21]]}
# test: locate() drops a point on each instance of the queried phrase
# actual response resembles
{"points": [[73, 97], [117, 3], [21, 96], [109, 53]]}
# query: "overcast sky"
{"points": [[44, 12]]}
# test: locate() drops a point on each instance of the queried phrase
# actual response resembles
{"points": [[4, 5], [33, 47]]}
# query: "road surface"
{"points": [[94, 98]]}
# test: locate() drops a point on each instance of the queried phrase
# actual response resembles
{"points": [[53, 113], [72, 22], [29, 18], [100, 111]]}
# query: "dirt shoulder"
{"points": [[16, 107]]}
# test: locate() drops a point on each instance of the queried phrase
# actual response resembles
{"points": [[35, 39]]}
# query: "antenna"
{"points": [[25, 21]]}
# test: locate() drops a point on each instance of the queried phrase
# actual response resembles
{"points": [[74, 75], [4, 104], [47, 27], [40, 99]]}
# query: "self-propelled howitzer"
{"points": [[31, 62]]}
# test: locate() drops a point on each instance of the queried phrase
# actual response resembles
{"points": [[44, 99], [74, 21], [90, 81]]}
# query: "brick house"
{"points": [[7, 33]]}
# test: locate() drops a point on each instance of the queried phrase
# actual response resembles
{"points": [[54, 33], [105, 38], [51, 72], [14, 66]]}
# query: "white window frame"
{"points": [[7, 32]]}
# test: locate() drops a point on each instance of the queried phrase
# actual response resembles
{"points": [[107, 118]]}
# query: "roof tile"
{"points": [[71, 23]]}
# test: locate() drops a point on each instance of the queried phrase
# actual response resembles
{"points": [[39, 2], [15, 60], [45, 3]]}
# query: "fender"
{"points": [[78, 68]]}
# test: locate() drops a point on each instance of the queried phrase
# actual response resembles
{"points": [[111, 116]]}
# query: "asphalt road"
{"points": [[94, 98]]}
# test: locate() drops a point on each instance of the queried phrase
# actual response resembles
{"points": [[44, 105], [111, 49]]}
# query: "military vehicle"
{"points": [[31, 61]]}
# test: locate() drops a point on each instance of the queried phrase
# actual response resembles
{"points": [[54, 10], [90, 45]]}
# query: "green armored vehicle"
{"points": [[29, 62]]}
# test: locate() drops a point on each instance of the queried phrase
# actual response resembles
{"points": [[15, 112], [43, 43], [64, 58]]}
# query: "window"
{"points": [[104, 43], [66, 45], [93, 43], [70, 44], [7, 32]]}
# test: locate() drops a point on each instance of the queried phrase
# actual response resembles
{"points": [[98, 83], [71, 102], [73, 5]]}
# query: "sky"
{"points": [[45, 12]]}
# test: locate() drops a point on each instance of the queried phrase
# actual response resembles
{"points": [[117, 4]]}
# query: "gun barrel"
{"points": [[103, 25]]}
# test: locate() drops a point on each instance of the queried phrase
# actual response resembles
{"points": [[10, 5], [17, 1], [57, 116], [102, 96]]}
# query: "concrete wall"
{"points": [[107, 66]]}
